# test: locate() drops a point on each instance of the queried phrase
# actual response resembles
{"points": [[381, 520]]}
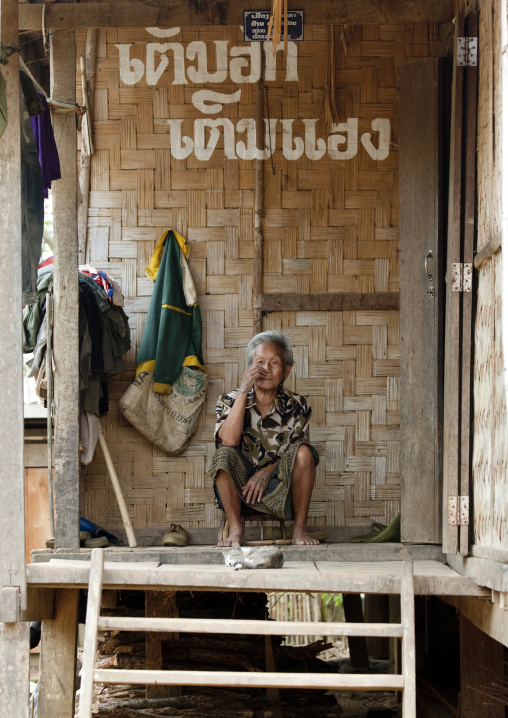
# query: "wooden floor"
{"points": [[339, 568]]}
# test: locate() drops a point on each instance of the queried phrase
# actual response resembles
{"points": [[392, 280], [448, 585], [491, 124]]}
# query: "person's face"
{"points": [[269, 358]]}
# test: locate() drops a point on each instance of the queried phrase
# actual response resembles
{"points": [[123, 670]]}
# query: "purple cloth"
{"points": [[46, 146]]}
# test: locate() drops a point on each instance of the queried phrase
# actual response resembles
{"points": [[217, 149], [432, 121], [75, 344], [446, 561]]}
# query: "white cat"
{"points": [[254, 557]]}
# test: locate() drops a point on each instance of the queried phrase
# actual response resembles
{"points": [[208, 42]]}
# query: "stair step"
{"points": [[261, 628], [237, 679]]}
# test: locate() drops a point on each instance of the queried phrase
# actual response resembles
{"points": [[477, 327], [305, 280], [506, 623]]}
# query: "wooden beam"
{"points": [[431, 578], [247, 626], [58, 657], [174, 12], [40, 604], [329, 302], [66, 309], [238, 679], [12, 492], [488, 250]]}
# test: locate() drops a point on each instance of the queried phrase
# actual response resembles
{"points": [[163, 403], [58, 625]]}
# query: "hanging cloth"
{"points": [[46, 146], [172, 334]]}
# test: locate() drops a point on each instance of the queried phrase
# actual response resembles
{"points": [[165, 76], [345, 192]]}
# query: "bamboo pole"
{"points": [[259, 208], [131, 538], [88, 86]]}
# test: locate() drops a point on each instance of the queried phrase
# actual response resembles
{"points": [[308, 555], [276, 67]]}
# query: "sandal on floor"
{"points": [[176, 536]]}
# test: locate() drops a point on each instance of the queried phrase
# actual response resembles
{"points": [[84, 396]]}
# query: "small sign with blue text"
{"points": [[255, 25]]}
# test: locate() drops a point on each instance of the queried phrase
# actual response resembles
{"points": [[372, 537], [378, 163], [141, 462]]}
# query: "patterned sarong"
{"points": [[277, 495]]}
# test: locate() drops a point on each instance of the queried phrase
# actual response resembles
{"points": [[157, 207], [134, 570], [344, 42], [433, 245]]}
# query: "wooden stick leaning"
{"points": [[131, 538]]}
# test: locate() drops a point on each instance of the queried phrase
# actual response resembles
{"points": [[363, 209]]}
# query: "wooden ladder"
{"points": [[406, 682]]}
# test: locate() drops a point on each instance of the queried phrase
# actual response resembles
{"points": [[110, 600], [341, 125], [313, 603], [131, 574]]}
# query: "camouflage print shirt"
{"points": [[265, 440]]}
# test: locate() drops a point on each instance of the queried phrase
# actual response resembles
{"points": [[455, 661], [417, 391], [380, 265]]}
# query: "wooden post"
{"points": [[66, 293], [259, 208], [12, 493], [451, 444], [14, 636], [14, 669], [353, 613], [88, 83], [159, 604], [58, 657], [469, 232]]}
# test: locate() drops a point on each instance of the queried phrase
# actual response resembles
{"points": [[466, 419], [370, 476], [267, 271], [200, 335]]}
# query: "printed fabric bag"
{"points": [[167, 420]]}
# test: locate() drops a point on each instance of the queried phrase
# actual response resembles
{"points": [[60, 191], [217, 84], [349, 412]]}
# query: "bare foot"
{"points": [[302, 538], [234, 539]]}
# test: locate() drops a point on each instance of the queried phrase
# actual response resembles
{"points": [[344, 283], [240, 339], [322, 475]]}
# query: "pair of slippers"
{"points": [[176, 536]]}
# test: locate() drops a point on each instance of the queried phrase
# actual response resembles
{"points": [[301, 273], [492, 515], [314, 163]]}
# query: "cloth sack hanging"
{"points": [[167, 420]]}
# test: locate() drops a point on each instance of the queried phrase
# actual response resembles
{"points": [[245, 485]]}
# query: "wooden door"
{"points": [[421, 200]]}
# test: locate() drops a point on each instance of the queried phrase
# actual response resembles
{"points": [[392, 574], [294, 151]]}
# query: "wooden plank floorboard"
{"points": [[431, 577]]}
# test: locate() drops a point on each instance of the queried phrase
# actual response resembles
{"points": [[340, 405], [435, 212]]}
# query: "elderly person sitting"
{"points": [[264, 461]]}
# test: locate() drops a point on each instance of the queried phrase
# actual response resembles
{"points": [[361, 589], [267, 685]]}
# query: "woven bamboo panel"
{"points": [[330, 226], [490, 450]]}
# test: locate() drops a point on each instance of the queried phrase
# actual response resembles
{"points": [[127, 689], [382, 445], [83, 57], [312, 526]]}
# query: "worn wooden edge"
{"points": [[124, 14], [238, 679], [58, 657], [14, 669], [488, 250], [329, 302], [262, 628], [483, 571], [212, 554], [196, 577]]}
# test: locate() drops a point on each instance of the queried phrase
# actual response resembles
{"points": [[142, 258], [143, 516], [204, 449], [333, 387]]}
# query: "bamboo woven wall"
{"points": [[490, 452], [330, 226]]}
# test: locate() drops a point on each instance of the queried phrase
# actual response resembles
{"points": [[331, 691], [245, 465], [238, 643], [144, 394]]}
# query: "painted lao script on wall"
{"points": [[243, 64]]}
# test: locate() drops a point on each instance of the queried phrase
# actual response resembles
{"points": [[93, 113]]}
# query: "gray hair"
{"points": [[274, 337]]}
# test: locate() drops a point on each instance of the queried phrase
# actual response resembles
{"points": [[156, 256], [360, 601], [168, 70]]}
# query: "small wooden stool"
{"points": [[260, 518]]}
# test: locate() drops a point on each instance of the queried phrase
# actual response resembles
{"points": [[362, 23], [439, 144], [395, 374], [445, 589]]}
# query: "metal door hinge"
{"points": [[467, 51], [462, 277], [458, 510]]}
